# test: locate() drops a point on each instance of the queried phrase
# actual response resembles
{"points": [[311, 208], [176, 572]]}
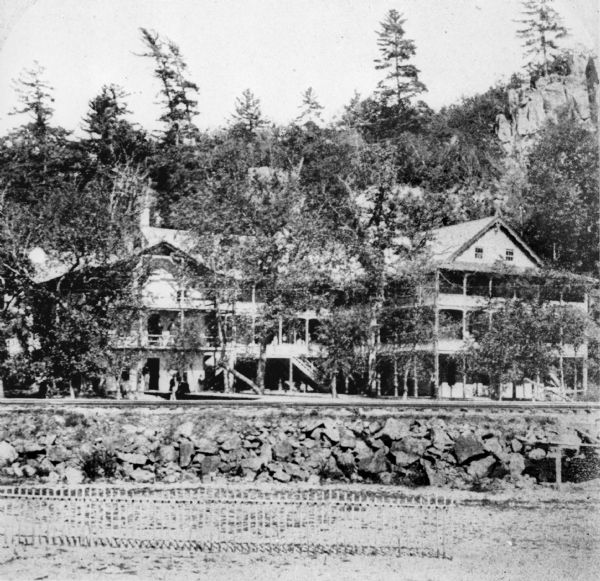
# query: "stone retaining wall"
{"points": [[468, 450]]}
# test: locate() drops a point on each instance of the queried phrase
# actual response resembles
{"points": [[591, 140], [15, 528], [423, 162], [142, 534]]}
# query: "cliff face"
{"points": [[529, 108]]}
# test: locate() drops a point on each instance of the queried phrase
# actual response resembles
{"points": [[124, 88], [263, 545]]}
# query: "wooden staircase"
{"points": [[309, 372]]}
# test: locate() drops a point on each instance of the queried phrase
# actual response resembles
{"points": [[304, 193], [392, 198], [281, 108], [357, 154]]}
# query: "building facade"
{"points": [[473, 265]]}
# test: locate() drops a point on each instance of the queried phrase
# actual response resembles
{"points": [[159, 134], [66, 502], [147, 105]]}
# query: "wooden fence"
{"points": [[229, 518]]}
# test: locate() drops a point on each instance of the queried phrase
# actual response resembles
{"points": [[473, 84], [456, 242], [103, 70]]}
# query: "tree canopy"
{"points": [[542, 29], [266, 199]]}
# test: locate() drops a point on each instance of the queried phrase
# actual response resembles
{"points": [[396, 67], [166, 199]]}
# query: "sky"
{"points": [[277, 48]]}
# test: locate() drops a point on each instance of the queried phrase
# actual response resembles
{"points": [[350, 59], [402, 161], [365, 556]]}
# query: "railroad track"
{"points": [[283, 402]]}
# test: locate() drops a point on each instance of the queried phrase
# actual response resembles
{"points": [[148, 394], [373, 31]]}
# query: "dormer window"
{"points": [[182, 295], [479, 253], [510, 255]]}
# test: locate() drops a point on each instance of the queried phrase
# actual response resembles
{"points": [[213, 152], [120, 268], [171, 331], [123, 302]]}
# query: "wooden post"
{"points": [[136, 379], [464, 310], [584, 367], [280, 332], [181, 315], [415, 379], [561, 361], [291, 374], [306, 332], [561, 367], [395, 377], [142, 332], [436, 331], [558, 466]]}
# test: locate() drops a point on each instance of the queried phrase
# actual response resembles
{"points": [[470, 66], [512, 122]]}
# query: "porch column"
{"points": [[584, 363], [142, 339], [202, 374], [464, 311], [253, 314], [490, 288], [136, 379], [306, 331], [561, 360], [280, 333], [415, 379], [436, 330]]}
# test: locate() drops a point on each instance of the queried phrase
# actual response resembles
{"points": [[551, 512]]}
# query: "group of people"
{"points": [[179, 386]]}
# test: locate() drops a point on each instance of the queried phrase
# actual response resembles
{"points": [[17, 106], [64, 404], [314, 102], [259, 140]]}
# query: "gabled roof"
{"points": [[161, 248], [449, 242], [181, 239], [164, 248]]}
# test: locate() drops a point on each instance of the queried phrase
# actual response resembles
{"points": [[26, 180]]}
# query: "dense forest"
{"points": [[388, 168]]}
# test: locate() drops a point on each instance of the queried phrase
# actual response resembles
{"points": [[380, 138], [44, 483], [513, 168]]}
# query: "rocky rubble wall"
{"points": [[466, 450]]}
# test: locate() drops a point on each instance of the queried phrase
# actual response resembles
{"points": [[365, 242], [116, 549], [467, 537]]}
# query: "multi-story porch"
{"points": [[475, 266]]}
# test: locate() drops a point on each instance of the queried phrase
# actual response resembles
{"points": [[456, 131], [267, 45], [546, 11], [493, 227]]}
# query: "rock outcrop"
{"points": [[529, 108]]}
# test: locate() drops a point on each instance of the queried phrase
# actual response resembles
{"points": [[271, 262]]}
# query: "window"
{"points": [[181, 295], [479, 253], [510, 255]]}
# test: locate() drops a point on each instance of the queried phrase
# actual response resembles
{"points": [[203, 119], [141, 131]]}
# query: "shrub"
{"points": [[99, 463]]}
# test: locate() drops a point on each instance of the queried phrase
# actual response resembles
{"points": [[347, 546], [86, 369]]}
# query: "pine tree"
{"points": [[106, 110], [177, 90], [310, 108], [248, 115], [36, 99], [113, 139], [402, 80], [543, 27], [352, 115]]}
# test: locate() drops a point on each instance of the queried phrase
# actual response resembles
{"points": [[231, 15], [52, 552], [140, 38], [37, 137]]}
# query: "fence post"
{"points": [[558, 466]]}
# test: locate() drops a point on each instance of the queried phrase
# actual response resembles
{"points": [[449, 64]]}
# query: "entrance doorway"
{"points": [[152, 369]]}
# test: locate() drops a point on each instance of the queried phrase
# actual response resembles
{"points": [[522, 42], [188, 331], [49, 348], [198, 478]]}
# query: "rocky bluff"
{"points": [[416, 448], [530, 107]]}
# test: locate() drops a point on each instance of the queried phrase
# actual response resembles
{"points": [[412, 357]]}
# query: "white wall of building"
{"points": [[494, 244]]}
